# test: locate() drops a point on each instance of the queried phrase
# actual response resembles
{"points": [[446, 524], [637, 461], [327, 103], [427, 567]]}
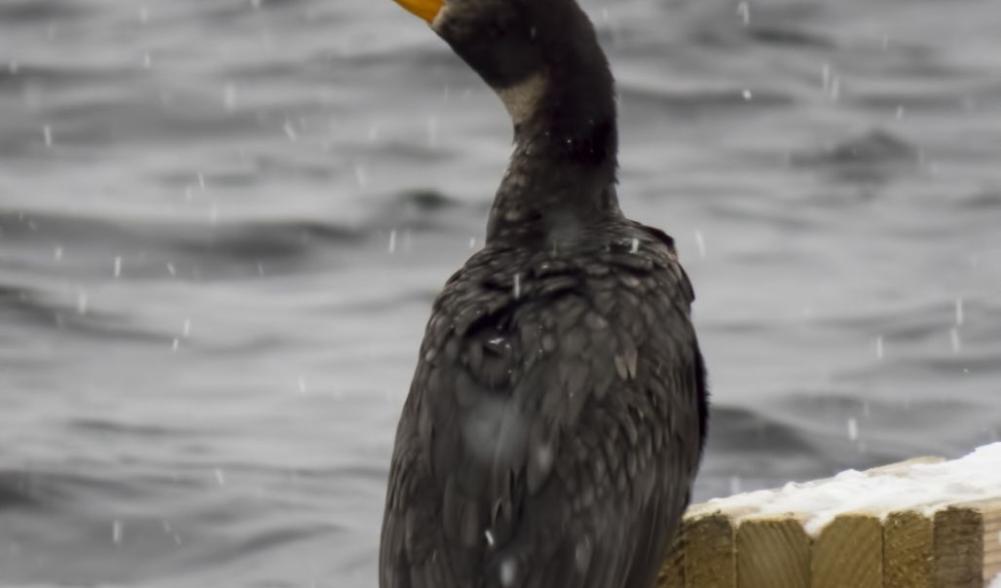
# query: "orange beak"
{"points": [[426, 9]]}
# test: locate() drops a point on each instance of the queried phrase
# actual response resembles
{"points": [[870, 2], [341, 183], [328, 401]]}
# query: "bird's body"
{"points": [[558, 411]]}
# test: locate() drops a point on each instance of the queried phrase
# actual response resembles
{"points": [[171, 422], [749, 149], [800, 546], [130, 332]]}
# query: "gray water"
{"points": [[222, 223]]}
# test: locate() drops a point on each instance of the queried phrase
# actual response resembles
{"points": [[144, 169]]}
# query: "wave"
{"points": [[871, 158], [241, 240], [874, 148], [735, 102], [36, 309], [27, 11]]}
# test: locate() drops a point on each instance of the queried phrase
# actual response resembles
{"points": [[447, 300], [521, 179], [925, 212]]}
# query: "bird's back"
{"points": [[555, 421]]}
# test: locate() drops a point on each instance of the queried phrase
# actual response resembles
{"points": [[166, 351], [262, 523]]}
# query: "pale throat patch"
{"points": [[523, 98]]}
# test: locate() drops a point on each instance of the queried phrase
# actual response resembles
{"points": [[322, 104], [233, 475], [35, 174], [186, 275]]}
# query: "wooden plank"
{"points": [[849, 553], [773, 552], [711, 551], [735, 547], [907, 550], [991, 513], [672, 573], [958, 548]]}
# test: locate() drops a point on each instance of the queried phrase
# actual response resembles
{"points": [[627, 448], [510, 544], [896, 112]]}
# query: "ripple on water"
{"points": [[45, 11], [874, 148]]}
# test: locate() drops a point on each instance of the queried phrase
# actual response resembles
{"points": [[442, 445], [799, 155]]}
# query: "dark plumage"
{"points": [[558, 411]]}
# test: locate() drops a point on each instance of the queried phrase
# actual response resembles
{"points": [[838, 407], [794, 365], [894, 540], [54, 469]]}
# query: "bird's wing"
{"points": [[551, 433]]}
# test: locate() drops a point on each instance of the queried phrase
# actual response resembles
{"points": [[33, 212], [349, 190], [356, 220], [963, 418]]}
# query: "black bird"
{"points": [[558, 411]]}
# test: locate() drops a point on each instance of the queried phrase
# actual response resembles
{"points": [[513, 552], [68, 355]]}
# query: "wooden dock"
{"points": [[730, 543]]}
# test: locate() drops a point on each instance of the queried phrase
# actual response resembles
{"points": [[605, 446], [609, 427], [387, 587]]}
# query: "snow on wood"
{"points": [[923, 523]]}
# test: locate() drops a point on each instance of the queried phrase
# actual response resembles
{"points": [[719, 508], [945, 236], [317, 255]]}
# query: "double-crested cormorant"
{"points": [[558, 411]]}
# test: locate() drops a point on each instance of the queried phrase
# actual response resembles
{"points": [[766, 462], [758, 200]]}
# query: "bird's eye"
{"points": [[501, 23], [497, 28]]}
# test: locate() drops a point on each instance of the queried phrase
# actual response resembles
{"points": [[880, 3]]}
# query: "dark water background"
{"points": [[222, 223]]}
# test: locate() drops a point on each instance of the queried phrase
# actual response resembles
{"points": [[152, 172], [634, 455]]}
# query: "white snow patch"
{"points": [[996, 583], [926, 487], [853, 429], [700, 243]]}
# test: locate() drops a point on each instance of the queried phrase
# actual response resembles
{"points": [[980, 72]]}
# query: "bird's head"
{"points": [[505, 41], [543, 58]]}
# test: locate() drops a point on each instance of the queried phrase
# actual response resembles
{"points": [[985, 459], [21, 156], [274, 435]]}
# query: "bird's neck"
{"points": [[561, 177]]}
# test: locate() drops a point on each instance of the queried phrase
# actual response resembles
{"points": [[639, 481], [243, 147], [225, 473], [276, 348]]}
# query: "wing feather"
{"points": [[552, 430]]}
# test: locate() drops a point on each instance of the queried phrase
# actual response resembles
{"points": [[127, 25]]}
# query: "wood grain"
{"points": [[712, 549], [849, 553], [773, 552], [958, 548], [907, 550]]}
